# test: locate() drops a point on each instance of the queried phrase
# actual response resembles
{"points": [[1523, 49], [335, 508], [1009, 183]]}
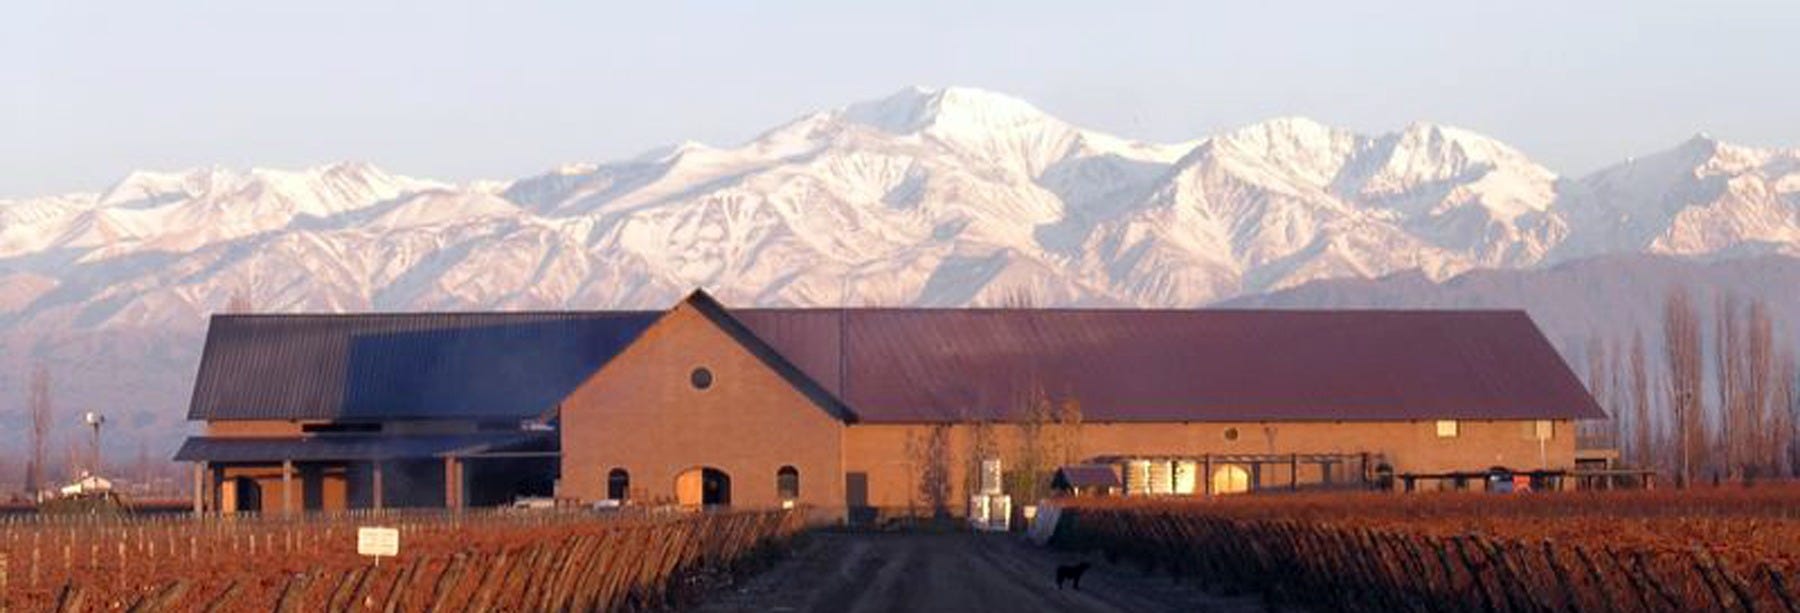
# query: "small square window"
{"points": [[1448, 428], [1543, 430]]}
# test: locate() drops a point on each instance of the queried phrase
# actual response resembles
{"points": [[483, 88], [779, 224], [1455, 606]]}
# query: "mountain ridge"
{"points": [[925, 197]]}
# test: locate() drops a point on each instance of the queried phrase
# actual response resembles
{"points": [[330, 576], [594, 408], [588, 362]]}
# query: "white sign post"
{"points": [[378, 542]]}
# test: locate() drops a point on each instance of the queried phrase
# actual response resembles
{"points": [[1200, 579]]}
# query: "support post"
{"points": [[453, 483], [1206, 472], [287, 487], [377, 485], [1294, 472], [1364, 469], [215, 488], [200, 488]]}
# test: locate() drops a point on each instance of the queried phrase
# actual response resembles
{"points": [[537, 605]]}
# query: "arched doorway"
{"points": [[618, 484], [1230, 479], [787, 483], [703, 486]]}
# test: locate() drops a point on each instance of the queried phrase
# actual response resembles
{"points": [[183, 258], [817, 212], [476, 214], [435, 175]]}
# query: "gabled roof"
{"points": [[488, 366], [935, 365], [915, 365], [708, 307]]}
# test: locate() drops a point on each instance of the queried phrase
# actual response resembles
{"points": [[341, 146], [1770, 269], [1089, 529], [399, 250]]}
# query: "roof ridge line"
{"points": [[720, 316]]}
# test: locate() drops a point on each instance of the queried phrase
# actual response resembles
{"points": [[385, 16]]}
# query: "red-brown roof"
{"points": [[916, 365], [933, 365]]}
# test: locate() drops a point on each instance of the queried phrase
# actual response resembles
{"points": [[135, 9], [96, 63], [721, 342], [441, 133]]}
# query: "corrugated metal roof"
{"points": [[352, 447], [916, 365], [403, 366], [925, 365]]}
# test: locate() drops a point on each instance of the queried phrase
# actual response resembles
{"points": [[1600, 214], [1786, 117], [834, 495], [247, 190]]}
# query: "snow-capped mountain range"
{"points": [[931, 197]]}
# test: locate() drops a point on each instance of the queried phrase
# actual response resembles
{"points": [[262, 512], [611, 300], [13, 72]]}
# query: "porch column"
{"points": [[376, 474], [1206, 472], [215, 488], [199, 488], [287, 487], [1294, 472], [453, 483]]}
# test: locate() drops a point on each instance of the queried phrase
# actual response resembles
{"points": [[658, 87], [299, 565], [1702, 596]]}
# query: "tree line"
{"points": [[1723, 404]]}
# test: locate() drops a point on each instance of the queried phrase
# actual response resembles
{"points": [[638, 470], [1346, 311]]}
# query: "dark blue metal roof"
{"points": [[486, 366], [356, 447]]}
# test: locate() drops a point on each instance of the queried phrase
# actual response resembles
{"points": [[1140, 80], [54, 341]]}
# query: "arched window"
{"points": [[618, 484], [1230, 479], [787, 483]]}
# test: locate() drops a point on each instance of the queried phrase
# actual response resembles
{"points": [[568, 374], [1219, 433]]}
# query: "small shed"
{"points": [[1087, 480]]}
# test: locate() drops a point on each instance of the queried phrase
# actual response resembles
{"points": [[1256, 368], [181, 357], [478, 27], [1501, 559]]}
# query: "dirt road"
{"points": [[881, 572]]}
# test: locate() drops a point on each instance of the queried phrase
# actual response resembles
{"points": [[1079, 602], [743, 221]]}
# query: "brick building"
{"points": [[865, 410]]}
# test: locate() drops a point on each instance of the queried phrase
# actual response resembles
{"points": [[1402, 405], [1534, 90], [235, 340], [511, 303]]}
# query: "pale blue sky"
{"points": [[91, 90]]}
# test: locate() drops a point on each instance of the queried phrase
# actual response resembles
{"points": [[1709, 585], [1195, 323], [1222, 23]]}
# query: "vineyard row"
{"points": [[1360, 568], [593, 565]]}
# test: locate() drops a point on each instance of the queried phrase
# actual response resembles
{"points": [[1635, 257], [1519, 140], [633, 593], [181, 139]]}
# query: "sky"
{"points": [[460, 91]]}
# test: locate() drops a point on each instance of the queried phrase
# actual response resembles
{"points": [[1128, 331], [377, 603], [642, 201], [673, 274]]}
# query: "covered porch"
{"points": [[336, 472]]}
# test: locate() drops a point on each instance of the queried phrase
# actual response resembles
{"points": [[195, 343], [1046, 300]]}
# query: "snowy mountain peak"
{"points": [[574, 168], [1282, 150], [340, 173], [143, 188], [1424, 153], [1284, 132], [917, 108], [1451, 140], [669, 152]]}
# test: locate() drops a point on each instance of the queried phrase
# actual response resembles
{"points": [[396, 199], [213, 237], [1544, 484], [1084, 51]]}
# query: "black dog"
{"points": [[1071, 573]]}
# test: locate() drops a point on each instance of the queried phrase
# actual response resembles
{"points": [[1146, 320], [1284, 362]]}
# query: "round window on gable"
{"points": [[701, 378], [1231, 434]]}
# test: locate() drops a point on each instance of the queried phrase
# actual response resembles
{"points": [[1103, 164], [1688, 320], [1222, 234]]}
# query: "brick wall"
{"points": [[642, 413]]}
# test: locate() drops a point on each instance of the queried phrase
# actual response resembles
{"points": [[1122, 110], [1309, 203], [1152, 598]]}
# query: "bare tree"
{"points": [[1681, 341], [930, 452], [1033, 419], [1599, 382], [142, 467], [1019, 298], [1642, 434], [1757, 365], [981, 445], [1068, 420], [1783, 420], [43, 415], [239, 302], [1728, 378]]}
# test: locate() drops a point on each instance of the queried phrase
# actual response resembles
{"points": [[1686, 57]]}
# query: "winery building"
{"points": [[861, 411]]}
